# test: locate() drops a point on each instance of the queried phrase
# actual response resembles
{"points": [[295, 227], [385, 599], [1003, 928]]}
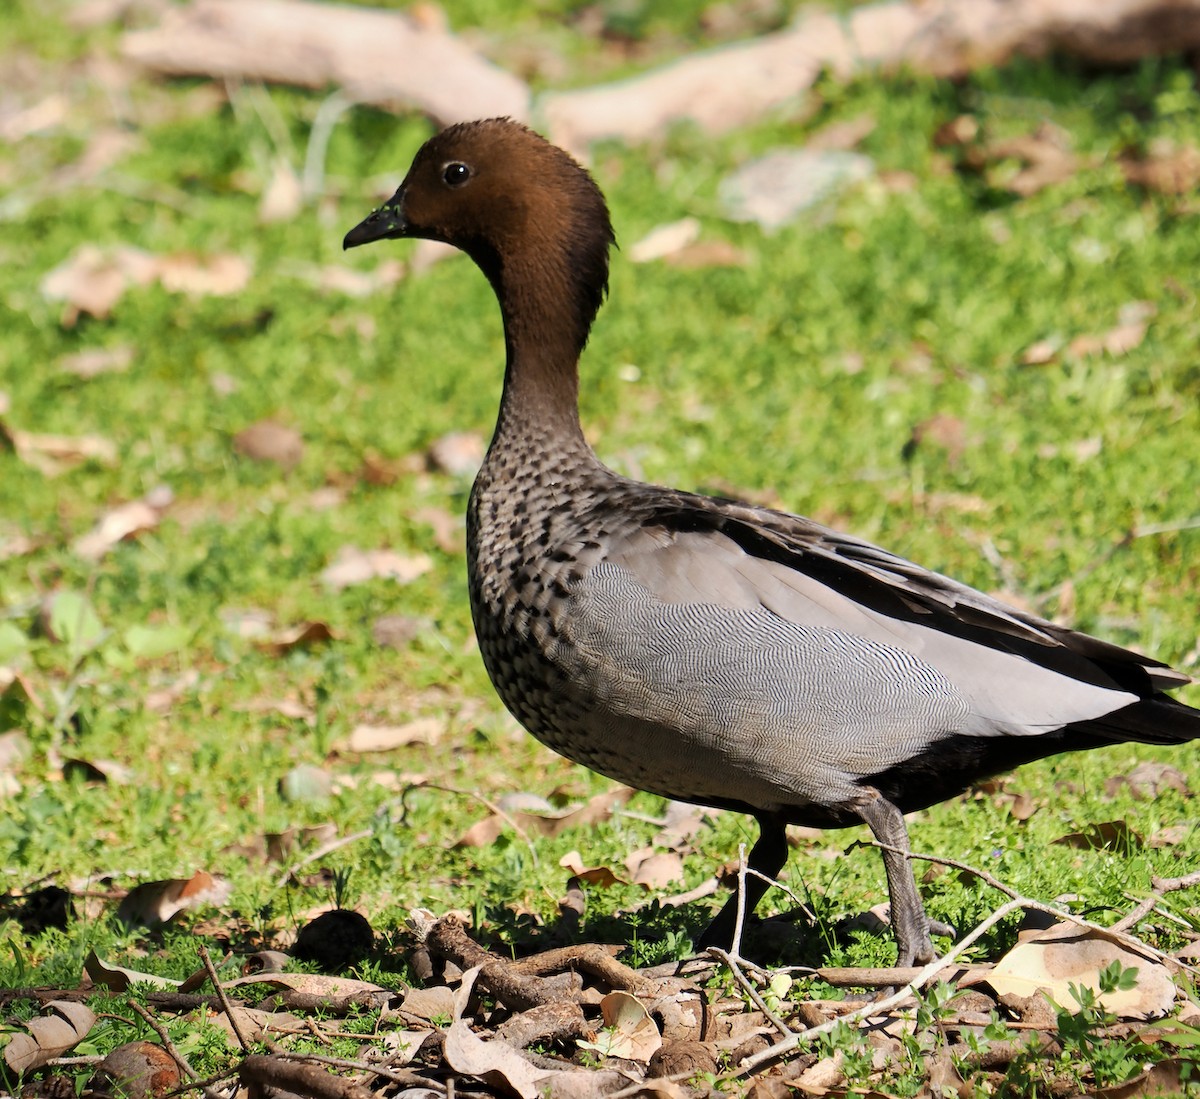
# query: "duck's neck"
{"points": [[544, 333]]}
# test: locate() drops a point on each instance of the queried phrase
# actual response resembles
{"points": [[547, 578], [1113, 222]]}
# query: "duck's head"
{"points": [[521, 208]]}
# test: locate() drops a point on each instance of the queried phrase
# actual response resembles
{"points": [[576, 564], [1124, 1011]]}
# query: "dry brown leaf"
{"points": [[1112, 835], [98, 360], [137, 1070], [1170, 836], [91, 280], [428, 1003], [152, 904], [1045, 155], [55, 454], [97, 771], [352, 281], [590, 875], [1042, 352], [459, 453], [120, 524], [629, 1032], [385, 738], [842, 135], [61, 1027], [1049, 961], [1166, 168], [708, 253], [448, 530], [495, 1063], [310, 984], [221, 274], [304, 635], [356, 566], [1148, 780], [1128, 333], [117, 978], [665, 240], [283, 197], [285, 707], [657, 870], [270, 441]]}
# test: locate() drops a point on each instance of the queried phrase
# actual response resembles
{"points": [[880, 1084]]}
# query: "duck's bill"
{"points": [[384, 224]]}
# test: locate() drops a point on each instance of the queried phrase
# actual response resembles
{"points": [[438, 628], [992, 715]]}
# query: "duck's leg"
{"points": [[910, 925], [767, 857]]}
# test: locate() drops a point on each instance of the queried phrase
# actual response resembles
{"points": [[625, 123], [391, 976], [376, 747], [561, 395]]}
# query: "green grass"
{"points": [[798, 377]]}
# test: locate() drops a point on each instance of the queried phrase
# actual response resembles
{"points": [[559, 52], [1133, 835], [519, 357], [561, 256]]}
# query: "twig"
{"points": [[332, 108], [879, 1007], [321, 852], [738, 924], [1159, 888], [178, 1057], [226, 1006], [1040, 906], [748, 986], [407, 1077], [487, 803]]}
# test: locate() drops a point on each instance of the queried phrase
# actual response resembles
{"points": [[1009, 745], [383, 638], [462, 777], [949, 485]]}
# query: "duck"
{"points": [[708, 650]]}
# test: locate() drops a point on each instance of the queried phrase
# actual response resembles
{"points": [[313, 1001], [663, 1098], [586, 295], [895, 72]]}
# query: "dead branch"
{"points": [[378, 57], [730, 86], [260, 1071]]}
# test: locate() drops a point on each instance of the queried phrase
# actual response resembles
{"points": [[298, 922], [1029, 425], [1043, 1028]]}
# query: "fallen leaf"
{"points": [[303, 635], [1132, 321], [98, 360], [1045, 157], [61, 1027], [139, 1070], [658, 870], [494, 1063], [459, 453], [283, 197], [352, 565], [428, 1003], [270, 441], [1112, 835], [52, 455], [154, 903], [92, 280], [708, 253], [665, 240], [97, 771], [1049, 961], [354, 282], [220, 274], [448, 530], [116, 526], [629, 1032], [601, 876], [117, 978], [396, 631], [385, 738], [1166, 168], [775, 188], [842, 135], [1042, 352], [306, 783]]}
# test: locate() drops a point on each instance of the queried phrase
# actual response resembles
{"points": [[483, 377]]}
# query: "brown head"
{"points": [[531, 217]]}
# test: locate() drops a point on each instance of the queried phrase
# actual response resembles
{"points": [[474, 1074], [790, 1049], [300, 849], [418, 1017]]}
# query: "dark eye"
{"points": [[456, 174]]}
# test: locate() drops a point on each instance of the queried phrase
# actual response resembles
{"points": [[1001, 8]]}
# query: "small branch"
{"points": [[226, 1006], [178, 1057], [1160, 887], [320, 853], [748, 987]]}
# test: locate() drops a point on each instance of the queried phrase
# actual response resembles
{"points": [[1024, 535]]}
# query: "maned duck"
{"points": [[708, 650]]}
